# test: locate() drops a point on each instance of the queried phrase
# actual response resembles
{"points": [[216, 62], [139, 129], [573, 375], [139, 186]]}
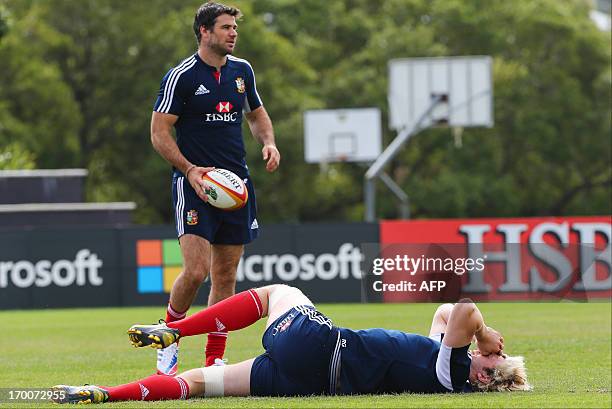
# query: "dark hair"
{"points": [[207, 16]]}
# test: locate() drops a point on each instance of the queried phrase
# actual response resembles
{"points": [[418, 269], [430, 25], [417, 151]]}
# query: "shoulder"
{"points": [[186, 63], [181, 69], [453, 367], [240, 63]]}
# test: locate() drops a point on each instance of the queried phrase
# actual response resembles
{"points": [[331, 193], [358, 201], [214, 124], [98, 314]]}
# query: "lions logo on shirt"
{"points": [[192, 217], [240, 85]]}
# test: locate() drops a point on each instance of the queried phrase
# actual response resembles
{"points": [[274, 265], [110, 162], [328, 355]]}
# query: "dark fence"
{"points": [[530, 259], [89, 267], [42, 186]]}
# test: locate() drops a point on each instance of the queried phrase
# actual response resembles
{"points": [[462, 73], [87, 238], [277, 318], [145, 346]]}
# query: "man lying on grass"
{"points": [[307, 355]]}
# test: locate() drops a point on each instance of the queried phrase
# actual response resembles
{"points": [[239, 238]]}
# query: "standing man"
{"points": [[204, 98]]}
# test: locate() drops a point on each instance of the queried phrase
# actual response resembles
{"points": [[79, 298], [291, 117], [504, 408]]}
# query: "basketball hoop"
{"points": [[342, 135], [464, 85], [425, 92]]}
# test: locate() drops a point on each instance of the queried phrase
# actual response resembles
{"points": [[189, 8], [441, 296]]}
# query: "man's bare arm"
{"points": [[165, 145], [163, 141], [440, 319], [262, 130], [464, 323]]}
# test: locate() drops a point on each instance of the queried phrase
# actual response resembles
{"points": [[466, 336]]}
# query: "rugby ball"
{"points": [[226, 190]]}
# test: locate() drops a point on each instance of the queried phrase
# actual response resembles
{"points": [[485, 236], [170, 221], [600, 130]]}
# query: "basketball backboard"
{"points": [[342, 135], [466, 84]]}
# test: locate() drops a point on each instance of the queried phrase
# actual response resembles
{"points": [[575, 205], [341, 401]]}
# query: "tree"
{"points": [[81, 78], [36, 107], [15, 156], [549, 151]]}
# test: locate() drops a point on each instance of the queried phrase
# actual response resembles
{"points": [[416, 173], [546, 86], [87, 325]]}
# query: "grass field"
{"points": [[566, 347]]}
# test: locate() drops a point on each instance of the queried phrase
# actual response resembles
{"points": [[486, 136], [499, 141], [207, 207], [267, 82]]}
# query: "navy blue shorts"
{"points": [[300, 346], [194, 216]]}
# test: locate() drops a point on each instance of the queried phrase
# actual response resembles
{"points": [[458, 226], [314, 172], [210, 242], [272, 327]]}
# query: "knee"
{"points": [[223, 275], [196, 269], [223, 280], [222, 286], [194, 380], [444, 307], [443, 311], [194, 276], [281, 287], [279, 290], [223, 268]]}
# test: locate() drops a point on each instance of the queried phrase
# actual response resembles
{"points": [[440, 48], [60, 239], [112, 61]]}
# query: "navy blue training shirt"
{"points": [[387, 361], [210, 107]]}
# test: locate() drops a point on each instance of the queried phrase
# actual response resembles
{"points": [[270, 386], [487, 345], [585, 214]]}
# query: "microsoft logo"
{"points": [[159, 262]]}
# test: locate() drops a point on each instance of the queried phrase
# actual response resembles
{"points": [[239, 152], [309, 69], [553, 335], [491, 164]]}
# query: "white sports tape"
{"points": [[213, 381], [282, 291]]}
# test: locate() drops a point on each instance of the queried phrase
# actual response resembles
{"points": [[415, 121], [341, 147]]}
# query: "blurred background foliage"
{"points": [[79, 79]]}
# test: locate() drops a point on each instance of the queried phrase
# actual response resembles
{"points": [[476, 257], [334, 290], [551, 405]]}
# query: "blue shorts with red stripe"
{"points": [[194, 216], [301, 358]]}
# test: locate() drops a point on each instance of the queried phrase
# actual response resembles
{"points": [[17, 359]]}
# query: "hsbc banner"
{"points": [[530, 259], [43, 268]]}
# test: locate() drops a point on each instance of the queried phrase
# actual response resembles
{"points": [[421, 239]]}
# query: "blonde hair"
{"points": [[509, 375]]}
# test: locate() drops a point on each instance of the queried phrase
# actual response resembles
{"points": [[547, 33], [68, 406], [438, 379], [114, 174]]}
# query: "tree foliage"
{"points": [[79, 80]]}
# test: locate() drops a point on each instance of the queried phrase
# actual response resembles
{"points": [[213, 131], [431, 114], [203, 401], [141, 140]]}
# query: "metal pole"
{"points": [[399, 141], [370, 200], [388, 154], [398, 192]]}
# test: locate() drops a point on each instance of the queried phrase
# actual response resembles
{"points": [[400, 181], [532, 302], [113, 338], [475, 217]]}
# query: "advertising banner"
{"points": [[395, 261], [59, 268], [323, 260], [87, 267], [494, 259]]}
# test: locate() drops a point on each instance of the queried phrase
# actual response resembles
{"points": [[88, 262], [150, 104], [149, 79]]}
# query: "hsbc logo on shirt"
{"points": [[225, 113], [224, 107]]}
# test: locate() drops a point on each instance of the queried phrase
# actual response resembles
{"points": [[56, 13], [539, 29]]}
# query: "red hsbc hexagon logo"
{"points": [[224, 107]]}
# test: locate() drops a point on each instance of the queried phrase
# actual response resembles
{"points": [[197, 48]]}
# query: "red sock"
{"points": [[233, 313], [173, 315], [215, 347], [155, 387]]}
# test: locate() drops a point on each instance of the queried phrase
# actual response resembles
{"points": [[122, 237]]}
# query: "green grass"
{"points": [[566, 346]]}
